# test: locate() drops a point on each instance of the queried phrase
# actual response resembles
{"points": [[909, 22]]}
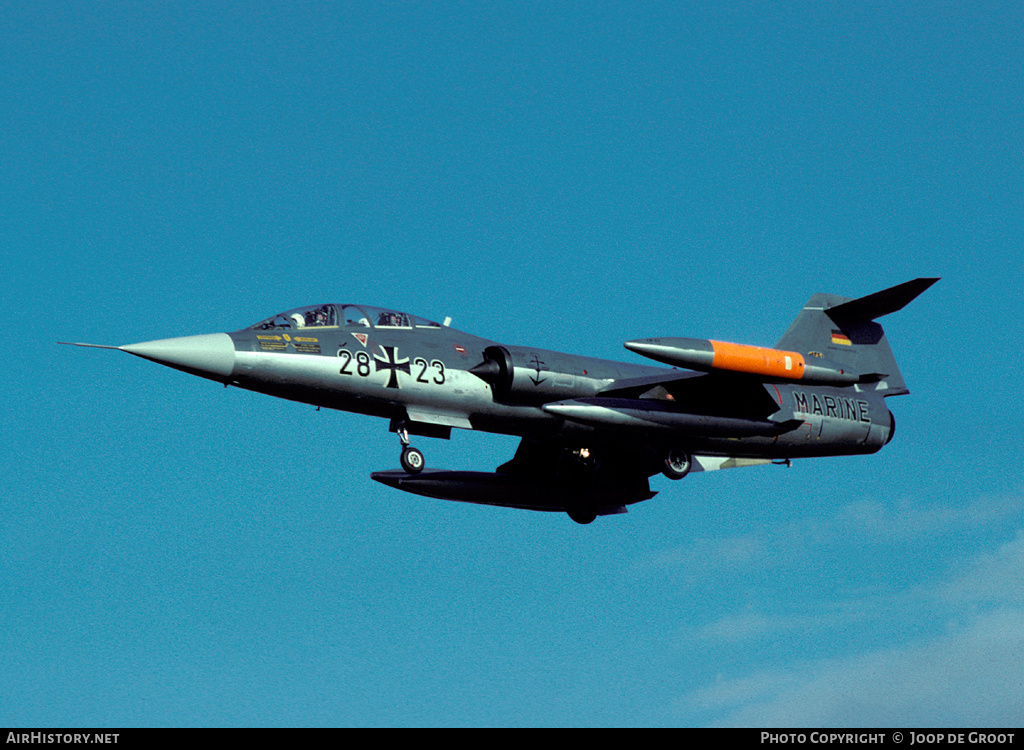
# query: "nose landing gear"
{"points": [[412, 459]]}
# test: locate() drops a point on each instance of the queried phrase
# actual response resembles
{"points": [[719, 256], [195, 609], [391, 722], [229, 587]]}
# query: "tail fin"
{"points": [[844, 330]]}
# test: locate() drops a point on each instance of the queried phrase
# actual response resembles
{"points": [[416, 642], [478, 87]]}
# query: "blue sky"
{"points": [[569, 175]]}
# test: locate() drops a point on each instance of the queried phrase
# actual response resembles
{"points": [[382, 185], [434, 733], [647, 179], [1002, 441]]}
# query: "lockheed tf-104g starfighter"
{"points": [[593, 431]]}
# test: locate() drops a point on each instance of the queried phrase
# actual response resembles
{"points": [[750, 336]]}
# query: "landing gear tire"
{"points": [[677, 464], [412, 460]]}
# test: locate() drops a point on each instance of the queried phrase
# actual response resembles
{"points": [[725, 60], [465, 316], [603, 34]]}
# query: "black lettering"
{"points": [[830, 406], [364, 364], [863, 412], [439, 366], [849, 411], [817, 404], [800, 402], [422, 364], [346, 360]]}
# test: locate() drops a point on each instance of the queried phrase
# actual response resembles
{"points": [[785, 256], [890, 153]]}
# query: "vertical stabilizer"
{"points": [[844, 330]]}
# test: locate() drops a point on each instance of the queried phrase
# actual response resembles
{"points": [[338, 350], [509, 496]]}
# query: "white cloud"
{"points": [[996, 577], [973, 676], [907, 519], [856, 524], [704, 557], [753, 625], [970, 675]]}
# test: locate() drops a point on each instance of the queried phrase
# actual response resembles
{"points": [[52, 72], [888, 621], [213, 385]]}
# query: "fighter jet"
{"points": [[593, 431]]}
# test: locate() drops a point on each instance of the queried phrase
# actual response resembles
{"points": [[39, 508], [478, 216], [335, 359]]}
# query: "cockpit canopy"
{"points": [[342, 316]]}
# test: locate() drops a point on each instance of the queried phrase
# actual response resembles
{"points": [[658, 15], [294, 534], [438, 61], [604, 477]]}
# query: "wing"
{"points": [[719, 394], [543, 475], [610, 471]]}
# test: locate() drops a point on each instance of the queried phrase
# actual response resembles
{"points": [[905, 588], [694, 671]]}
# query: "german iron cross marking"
{"points": [[392, 363]]}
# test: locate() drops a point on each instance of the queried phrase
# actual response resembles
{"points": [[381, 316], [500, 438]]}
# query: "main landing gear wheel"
{"points": [[677, 464], [412, 460]]}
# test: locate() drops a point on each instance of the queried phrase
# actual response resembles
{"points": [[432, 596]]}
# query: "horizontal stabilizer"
{"points": [[880, 303]]}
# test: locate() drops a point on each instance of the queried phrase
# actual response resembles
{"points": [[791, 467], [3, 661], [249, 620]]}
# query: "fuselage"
{"points": [[416, 371], [417, 374], [593, 430]]}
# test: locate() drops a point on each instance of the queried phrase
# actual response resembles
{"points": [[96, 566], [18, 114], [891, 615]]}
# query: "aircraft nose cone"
{"points": [[209, 356]]}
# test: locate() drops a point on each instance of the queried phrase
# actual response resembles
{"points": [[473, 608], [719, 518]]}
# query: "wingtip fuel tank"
{"points": [[707, 355]]}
